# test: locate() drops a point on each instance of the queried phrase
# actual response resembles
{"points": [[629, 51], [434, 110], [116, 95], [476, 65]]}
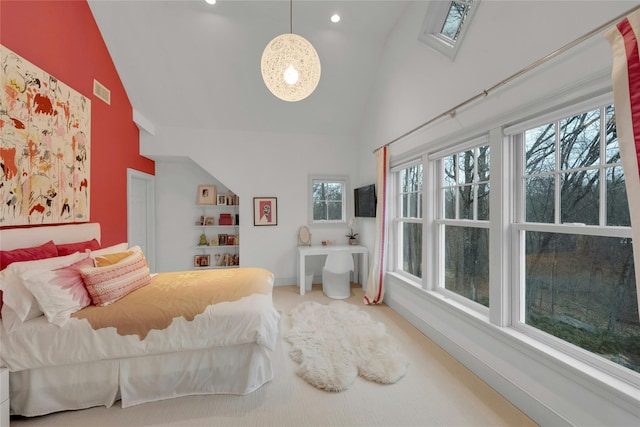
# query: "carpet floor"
{"points": [[436, 391]]}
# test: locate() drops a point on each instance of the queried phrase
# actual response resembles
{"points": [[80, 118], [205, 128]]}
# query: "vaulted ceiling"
{"points": [[191, 64]]}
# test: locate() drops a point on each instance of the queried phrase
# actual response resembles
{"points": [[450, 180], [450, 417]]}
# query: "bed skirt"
{"points": [[238, 369]]}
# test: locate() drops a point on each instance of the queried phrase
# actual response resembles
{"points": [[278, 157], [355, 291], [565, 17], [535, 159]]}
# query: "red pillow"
{"points": [[70, 248], [46, 250]]}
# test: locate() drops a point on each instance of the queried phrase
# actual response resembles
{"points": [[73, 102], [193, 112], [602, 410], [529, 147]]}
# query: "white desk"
{"points": [[305, 251]]}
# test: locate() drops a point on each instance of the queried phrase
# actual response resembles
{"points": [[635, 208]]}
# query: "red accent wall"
{"points": [[63, 39]]}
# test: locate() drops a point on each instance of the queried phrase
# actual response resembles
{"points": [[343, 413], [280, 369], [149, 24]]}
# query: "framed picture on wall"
{"points": [[207, 194], [265, 211]]}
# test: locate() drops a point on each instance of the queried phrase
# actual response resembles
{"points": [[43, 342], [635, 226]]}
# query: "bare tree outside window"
{"points": [[580, 287], [465, 194]]}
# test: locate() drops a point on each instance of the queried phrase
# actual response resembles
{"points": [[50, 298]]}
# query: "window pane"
{"points": [[412, 179], [412, 248], [540, 149], [455, 19], [483, 163], [580, 197], [540, 202], [334, 212], [410, 205], [617, 203], [483, 202], [582, 289], [611, 138], [450, 203], [319, 211], [334, 191], [465, 167], [580, 140], [467, 262], [449, 171], [465, 199]]}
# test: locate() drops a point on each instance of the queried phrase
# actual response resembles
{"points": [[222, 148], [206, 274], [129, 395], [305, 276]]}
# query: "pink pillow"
{"points": [[69, 248], [108, 284], [46, 250]]}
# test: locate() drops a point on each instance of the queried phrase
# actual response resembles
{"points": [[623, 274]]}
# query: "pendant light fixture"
{"points": [[290, 65]]}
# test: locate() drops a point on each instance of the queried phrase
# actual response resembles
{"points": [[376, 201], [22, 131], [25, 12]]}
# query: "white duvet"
{"points": [[38, 343]]}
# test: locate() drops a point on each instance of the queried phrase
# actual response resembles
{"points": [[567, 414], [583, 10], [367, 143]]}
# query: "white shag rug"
{"points": [[335, 343]]}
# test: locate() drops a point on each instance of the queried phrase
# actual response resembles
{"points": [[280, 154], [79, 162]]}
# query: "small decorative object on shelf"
{"points": [[202, 260], [209, 221], [225, 219], [207, 194], [203, 240], [353, 237]]}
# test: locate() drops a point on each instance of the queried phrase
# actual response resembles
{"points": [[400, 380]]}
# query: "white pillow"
{"points": [[59, 292], [16, 295]]}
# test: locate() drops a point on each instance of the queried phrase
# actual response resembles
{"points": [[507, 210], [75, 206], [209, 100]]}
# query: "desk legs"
{"points": [[301, 273]]}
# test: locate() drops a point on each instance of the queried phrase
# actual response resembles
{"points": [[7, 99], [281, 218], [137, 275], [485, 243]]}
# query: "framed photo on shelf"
{"points": [[222, 199], [202, 260], [265, 211], [222, 239], [209, 221], [207, 194]]}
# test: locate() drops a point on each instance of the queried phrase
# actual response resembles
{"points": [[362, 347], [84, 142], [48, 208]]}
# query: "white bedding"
{"points": [[39, 343], [226, 348]]}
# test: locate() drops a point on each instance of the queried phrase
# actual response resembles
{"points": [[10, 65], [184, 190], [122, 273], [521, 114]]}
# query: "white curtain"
{"points": [[375, 283], [626, 95]]}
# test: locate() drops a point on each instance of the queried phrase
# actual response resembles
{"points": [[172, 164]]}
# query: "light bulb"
{"points": [[291, 75], [335, 18], [211, 1]]}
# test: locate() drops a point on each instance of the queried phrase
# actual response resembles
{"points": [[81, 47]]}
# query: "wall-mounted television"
{"points": [[365, 201]]}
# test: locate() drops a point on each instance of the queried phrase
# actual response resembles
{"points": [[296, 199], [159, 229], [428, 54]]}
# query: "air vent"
{"points": [[101, 92]]}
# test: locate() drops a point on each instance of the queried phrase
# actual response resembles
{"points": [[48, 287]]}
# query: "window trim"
{"points": [[346, 199]]}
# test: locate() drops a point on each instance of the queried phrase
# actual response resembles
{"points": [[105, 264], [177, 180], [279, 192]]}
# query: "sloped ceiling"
{"points": [[190, 64]]}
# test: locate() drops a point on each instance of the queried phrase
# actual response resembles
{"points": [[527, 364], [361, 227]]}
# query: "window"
{"points": [[463, 223], [446, 23], [555, 231], [328, 200], [408, 229], [578, 275]]}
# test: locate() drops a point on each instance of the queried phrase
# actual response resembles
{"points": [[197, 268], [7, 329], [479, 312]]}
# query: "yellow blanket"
{"points": [[175, 294]]}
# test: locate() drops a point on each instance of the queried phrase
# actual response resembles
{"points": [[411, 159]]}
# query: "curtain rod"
{"points": [[452, 111]]}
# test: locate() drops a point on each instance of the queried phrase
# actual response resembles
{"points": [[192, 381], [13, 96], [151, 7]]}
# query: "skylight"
{"points": [[446, 23]]}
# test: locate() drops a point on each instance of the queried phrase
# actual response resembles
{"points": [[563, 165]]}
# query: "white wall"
{"points": [[251, 165], [415, 84]]}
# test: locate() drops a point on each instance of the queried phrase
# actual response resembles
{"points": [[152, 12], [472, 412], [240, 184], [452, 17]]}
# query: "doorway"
{"points": [[141, 213]]}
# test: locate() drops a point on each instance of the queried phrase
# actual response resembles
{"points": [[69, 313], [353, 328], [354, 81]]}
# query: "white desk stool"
{"points": [[336, 281]]}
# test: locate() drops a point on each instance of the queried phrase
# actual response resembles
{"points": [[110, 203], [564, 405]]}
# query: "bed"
{"points": [[99, 354]]}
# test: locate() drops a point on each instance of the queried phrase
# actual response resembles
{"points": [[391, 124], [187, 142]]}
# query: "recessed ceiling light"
{"points": [[211, 1], [335, 18]]}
